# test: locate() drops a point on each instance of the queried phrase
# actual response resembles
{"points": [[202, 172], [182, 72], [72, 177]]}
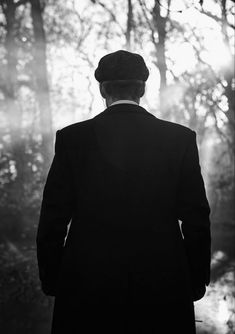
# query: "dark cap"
{"points": [[121, 65]]}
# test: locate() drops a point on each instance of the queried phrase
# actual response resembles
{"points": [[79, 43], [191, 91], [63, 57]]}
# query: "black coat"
{"points": [[124, 179]]}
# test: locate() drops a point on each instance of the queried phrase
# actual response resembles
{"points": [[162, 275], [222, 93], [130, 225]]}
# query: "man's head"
{"points": [[122, 75]]}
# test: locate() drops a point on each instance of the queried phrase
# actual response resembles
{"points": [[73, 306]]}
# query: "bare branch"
{"points": [[21, 2], [90, 90], [3, 4], [219, 131], [84, 32], [113, 17], [3, 88], [150, 25], [216, 18], [25, 82], [168, 8], [85, 57], [198, 52]]}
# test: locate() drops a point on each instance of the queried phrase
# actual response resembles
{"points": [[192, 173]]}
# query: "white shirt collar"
{"points": [[123, 101]]}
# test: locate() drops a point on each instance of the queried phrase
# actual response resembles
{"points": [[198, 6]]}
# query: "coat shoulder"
{"points": [[175, 127], [75, 131], [76, 126], [175, 131]]}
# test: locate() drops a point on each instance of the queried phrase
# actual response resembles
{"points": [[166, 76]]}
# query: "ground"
{"points": [[25, 310]]}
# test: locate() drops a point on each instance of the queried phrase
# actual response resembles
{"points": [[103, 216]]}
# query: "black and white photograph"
{"points": [[117, 167]]}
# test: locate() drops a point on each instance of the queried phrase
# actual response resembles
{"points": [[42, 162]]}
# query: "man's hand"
{"points": [[199, 292], [49, 290]]}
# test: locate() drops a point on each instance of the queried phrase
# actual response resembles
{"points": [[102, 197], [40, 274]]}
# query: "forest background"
{"points": [[48, 53]]}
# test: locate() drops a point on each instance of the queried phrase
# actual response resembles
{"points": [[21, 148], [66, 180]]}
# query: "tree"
{"points": [[37, 82], [227, 74], [41, 81], [10, 87], [157, 23]]}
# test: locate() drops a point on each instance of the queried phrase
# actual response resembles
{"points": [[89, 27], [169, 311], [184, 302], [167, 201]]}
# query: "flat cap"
{"points": [[121, 65]]}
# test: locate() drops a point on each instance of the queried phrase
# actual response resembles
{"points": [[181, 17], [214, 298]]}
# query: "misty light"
{"points": [[217, 55], [183, 57], [75, 72]]}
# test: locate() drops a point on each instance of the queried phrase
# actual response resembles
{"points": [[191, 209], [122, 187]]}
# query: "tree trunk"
{"points": [[13, 113], [228, 75], [42, 87], [129, 25], [160, 25]]}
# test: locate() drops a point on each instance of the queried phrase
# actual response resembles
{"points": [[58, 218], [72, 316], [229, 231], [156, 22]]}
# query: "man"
{"points": [[124, 180]]}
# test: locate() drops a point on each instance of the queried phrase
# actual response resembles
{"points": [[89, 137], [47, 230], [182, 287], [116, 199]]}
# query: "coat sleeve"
{"points": [[55, 215], [193, 211]]}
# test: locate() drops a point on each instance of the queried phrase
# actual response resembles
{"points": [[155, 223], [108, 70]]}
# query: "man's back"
{"points": [[126, 182]]}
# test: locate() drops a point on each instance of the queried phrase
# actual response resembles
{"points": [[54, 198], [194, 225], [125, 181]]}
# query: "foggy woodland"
{"points": [[48, 53]]}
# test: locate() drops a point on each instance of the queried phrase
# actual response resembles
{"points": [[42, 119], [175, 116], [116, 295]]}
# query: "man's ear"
{"points": [[102, 90], [142, 89]]}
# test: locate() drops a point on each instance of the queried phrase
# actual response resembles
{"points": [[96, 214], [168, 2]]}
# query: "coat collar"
{"points": [[124, 102], [125, 107]]}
